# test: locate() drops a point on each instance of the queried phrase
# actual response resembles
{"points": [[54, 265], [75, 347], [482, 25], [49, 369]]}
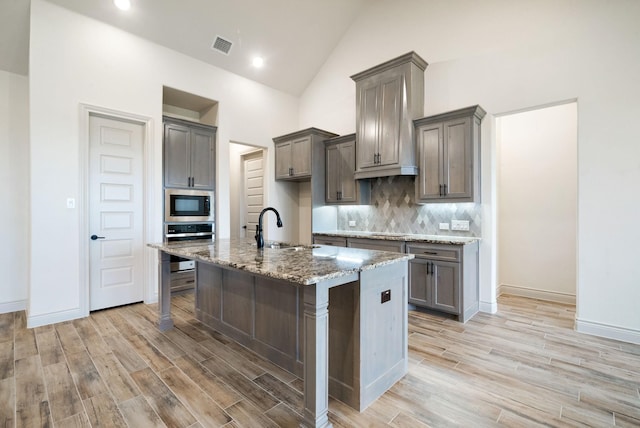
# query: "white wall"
{"points": [[76, 60], [537, 202], [14, 191], [508, 56]]}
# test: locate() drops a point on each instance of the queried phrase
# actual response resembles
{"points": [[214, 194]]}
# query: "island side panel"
{"points": [[344, 334], [383, 329], [164, 292], [263, 314], [208, 293]]}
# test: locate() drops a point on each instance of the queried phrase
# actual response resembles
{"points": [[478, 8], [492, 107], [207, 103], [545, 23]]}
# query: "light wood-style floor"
{"points": [[523, 367]]}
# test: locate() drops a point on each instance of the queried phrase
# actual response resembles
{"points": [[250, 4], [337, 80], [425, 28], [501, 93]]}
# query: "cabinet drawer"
{"points": [[330, 240], [376, 244], [435, 252]]}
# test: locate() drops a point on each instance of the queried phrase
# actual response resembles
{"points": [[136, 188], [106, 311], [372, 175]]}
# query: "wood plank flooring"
{"points": [[522, 367]]}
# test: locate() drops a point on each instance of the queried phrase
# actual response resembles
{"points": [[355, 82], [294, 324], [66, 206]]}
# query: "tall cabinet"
{"points": [[388, 97], [448, 147], [189, 154]]}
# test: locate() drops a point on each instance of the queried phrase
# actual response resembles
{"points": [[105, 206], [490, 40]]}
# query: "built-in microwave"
{"points": [[182, 205]]}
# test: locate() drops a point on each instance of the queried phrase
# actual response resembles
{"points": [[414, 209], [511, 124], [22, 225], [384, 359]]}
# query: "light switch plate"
{"points": [[352, 223], [71, 203], [462, 225], [444, 226]]}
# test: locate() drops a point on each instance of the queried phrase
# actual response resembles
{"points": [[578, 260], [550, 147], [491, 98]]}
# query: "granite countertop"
{"points": [[428, 239], [301, 264]]}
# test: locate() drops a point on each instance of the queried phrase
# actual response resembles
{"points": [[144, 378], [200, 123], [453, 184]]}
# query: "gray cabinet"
{"points": [[189, 154], [293, 159], [296, 156], [444, 278], [341, 186], [448, 149], [388, 97]]}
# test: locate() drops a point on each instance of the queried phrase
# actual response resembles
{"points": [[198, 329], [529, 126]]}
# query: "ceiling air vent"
{"points": [[221, 45]]}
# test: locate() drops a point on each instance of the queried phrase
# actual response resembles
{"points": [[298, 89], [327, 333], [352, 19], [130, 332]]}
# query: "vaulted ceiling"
{"points": [[294, 37]]}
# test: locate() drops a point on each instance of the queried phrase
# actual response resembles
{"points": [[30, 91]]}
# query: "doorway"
{"points": [[247, 188], [537, 203], [252, 191], [116, 261]]}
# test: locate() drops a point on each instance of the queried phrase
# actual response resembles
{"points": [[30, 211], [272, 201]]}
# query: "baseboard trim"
{"points": [[608, 331], [489, 307], [18, 305], [54, 317], [532, 293]]}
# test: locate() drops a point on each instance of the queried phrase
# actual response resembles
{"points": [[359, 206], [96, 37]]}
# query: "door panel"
{"points": [[333, 173], [115, 212], [347, 181], [202, 164], [430, 158], [391, 112], [457, 165], [446, 287], [253, 192], [176, 156], [300, 156], [368, 132]]}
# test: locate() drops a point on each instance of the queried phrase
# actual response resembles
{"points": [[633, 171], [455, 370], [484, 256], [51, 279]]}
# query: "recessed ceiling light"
{"points": [[122, 4], [258, 62]]}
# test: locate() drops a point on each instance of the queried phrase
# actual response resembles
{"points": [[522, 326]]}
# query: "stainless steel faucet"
{"points": [[259, 238]]}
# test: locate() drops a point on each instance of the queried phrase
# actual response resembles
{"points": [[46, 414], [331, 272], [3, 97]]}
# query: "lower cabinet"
{"points": [[435, 284], [442, 277], [445, 278]]}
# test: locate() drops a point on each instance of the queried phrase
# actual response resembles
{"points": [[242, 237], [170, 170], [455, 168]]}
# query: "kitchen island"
{"points": [[337, 317]]}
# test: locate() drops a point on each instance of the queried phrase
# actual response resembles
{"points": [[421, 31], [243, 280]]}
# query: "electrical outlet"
{"points": [[352, 223], [462, 225], [444, 226]]}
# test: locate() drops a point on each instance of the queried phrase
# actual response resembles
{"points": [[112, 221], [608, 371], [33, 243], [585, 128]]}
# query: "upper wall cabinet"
{"points": [[388, 98], [189, 150], [448, 148], [295, 158], [341, 186]]}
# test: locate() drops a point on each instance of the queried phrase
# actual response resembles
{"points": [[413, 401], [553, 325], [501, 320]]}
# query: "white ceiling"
{"points": [[295, 37]]}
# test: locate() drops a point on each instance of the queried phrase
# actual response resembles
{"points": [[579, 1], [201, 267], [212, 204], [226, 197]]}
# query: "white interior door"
{"points": [[115, 212], [253, 192]]}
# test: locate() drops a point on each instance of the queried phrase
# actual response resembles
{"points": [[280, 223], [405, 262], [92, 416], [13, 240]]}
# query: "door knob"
{"points": [[94, 237], [244, 227]]}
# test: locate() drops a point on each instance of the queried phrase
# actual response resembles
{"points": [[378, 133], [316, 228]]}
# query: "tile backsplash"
{"points": [[393, 210]]}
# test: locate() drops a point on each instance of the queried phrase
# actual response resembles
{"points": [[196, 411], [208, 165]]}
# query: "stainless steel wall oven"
{"points": [[183, 273]]}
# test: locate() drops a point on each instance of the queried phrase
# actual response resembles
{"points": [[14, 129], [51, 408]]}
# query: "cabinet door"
{"points": [[283, 159], [202, 146], [418, 282], [430, 154], [390, 106], [301, 157], [368, 125], [333, 160], [458, 157], [176, 156], [347, 183], [445, 287]]}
